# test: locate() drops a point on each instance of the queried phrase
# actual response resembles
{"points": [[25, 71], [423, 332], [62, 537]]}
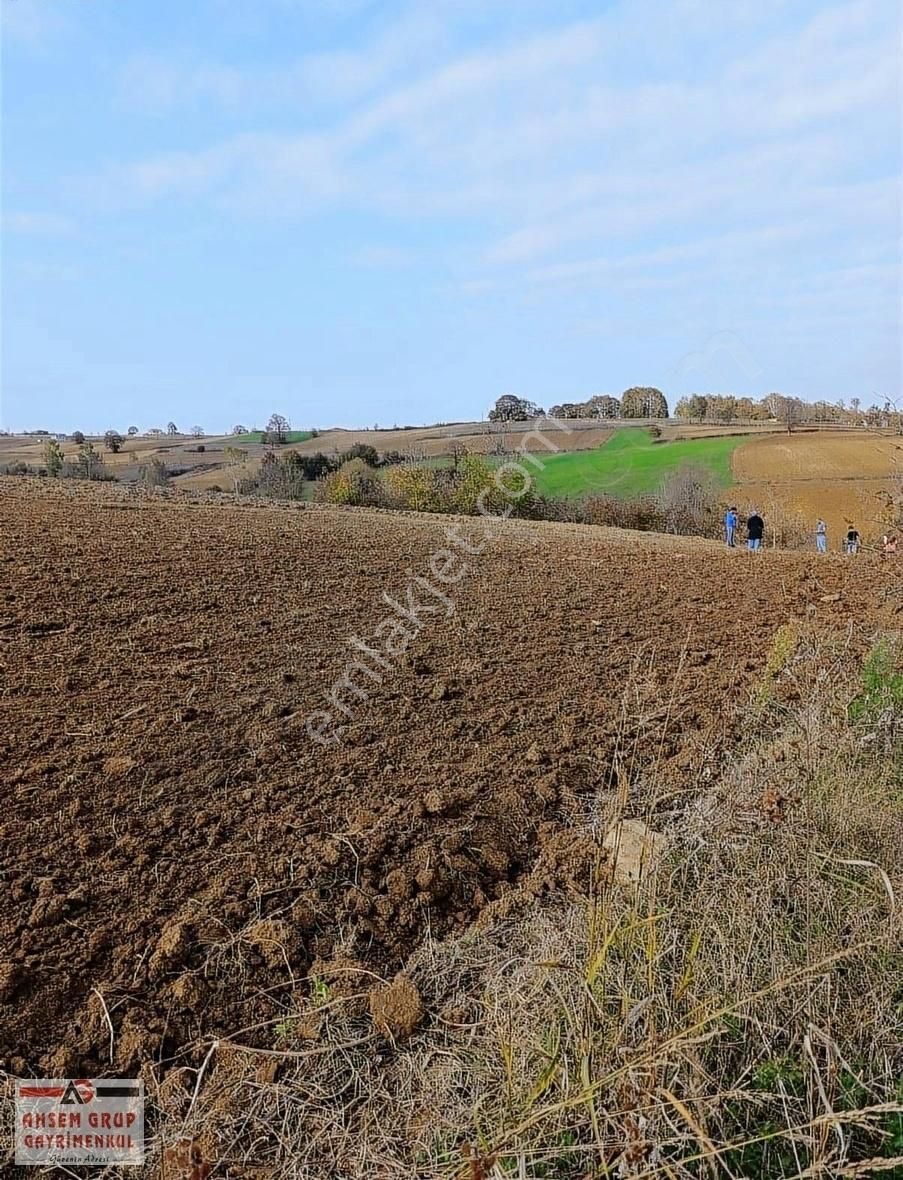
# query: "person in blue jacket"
{"points": [[731, 520]]}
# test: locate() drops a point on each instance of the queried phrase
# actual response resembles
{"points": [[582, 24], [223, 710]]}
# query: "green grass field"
{"points": [[631, 463], [256, 436]]}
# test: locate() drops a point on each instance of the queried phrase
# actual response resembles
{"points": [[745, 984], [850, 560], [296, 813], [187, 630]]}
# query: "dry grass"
{"points": [[737, 1014]]}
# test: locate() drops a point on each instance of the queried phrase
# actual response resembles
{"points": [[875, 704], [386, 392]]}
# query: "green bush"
{"points": [[882, 684], [355, 483]]}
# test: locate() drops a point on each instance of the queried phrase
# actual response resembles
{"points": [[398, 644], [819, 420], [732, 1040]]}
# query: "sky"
{"points": [[359, 212]]}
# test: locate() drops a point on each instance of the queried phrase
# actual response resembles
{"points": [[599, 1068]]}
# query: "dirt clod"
{"points": [[396, 1007]]}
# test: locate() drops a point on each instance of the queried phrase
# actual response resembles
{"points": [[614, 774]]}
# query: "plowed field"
{"points": [[842, 477], [177, 853]]}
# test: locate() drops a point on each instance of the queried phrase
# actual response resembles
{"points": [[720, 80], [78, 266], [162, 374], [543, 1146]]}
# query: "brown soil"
{"points": [[840, 455], [178, 854], [841, 477]]}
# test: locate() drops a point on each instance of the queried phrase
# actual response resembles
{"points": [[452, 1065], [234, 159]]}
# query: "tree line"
{"points": [[712, 407], [643, 401], [640, 401]]}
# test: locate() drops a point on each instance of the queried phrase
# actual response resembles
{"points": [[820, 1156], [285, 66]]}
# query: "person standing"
{"points": [[755, 529], [852, 540], [731, 520], [821, 536]]}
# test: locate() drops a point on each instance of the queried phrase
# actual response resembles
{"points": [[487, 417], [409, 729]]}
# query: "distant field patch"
{"points": [[840, 455], [632, 463], [256, 436]]}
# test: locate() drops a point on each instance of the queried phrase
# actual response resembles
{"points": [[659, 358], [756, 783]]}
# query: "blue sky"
{"points": [[355, 212]]}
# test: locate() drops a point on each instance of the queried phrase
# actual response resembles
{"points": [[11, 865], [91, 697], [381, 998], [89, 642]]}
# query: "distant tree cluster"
{"points": [[510, 408], [643, 401], [779, 407], [637, 402], [601, 406], [283, 474]]}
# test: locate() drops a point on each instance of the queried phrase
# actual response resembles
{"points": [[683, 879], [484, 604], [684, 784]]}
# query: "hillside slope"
{"points": [[174, 838]]}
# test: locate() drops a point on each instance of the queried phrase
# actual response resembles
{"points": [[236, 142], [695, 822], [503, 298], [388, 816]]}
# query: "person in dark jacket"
{"points": [[755, 529]]}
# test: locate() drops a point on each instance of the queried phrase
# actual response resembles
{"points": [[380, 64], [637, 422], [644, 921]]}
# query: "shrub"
{"points": [[391, 458], [361, 451], [315, 466], [880, 701], [53, 457], [690, 503], [281, 477], [154, 474], [415, 488], [88, 464], [641, 512], [476, 491], [354, 483]]}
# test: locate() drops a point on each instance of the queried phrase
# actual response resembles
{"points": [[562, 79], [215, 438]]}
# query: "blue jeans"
{"points": [[821, 542], [729, 533], [754, 543]]}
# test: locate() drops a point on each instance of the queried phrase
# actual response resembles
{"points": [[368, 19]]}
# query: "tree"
{"points": [[689, 500], [88, 463], [77, 437], [510, 408], [197, 432], [316, 466], [361, 451], [239, 429], [643, 401], [154, 474], [53, 457], [603, 406], [788, 410], [235, 457], [113, 441], [132, 431], [171, 428], [277, 429], [726, 408]]}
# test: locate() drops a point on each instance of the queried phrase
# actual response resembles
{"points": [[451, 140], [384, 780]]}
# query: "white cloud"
{"points": [[776, 152], [161, 84], [33, 23], [382, 257], [38, 224]]}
